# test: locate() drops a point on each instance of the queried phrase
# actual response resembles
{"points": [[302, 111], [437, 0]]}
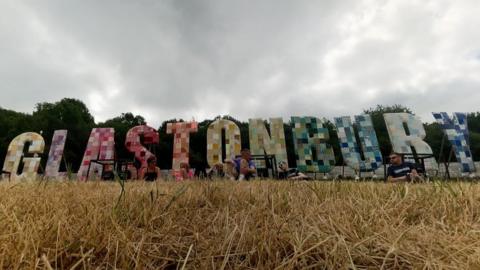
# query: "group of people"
{"points": [[243, 168], [240, 168], [152, 171]]}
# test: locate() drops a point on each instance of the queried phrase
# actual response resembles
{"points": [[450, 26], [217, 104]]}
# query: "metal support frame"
{"points": [[120, 166], [269, 160]]}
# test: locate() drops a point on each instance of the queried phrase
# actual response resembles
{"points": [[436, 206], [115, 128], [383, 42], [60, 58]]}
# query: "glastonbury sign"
{"points": [[310, 138]]}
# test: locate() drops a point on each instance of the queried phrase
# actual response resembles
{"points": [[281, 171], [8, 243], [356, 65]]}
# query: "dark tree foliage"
{"points": [[475, 144], [289, 143], [474, 122], [69, 114], [434, 138], [12, 124], [198, 146], [164, 150], [334, 142], [474, 128]]}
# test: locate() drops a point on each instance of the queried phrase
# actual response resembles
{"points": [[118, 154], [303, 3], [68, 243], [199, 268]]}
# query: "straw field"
{"points": [[241, 225]]}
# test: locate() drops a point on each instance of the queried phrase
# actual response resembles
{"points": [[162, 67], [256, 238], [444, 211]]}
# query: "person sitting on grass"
{"points": [[216, 171], [185, 172], [241, 168], [151, 172], [290, 173], [400, 171], [107, 172], [132, 172]]}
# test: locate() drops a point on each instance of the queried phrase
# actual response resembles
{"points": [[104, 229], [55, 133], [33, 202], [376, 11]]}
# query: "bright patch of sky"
{"points": [[199, 59]]}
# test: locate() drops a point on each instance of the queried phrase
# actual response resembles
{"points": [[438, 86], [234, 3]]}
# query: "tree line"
{"points": [[73, 115]]}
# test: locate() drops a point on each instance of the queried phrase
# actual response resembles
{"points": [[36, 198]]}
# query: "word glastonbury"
{"points": [[313, 153]]}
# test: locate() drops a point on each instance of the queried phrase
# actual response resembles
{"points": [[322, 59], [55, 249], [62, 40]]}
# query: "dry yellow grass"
{"points": [[246, 225]]}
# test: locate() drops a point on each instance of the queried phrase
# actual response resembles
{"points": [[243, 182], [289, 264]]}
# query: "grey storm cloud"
{"points": [[248, 59]]}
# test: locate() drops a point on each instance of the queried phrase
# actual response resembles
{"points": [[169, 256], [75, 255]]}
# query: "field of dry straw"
{"points": [[246, 225]]}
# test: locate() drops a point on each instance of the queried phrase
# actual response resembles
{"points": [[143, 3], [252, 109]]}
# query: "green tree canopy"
{"points": [[12, 124], [70, 114]]}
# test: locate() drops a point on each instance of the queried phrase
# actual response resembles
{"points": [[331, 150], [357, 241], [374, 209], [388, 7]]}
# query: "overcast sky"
{"points": [[248, 59]]}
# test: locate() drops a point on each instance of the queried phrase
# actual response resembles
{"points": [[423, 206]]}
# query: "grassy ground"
{"points": [[222, 224]]}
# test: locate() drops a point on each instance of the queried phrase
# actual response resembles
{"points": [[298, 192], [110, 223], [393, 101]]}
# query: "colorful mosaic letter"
{"points": [[456, 129], [401, 142], [368, 141], [56, 153], [101, 145], [15, 153], [261, 142], [181, 141], [214, 140], [308, 134], [133, 144]]}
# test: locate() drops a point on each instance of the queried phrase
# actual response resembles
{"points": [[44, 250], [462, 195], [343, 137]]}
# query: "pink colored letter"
{"points": [[181, 141], [133, 144], [101, 145], [56, 153]]}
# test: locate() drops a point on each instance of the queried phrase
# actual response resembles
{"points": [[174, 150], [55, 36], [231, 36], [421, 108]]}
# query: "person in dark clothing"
{"points": [[107, 173], [290, 173], [151, 172], [400, 171]]}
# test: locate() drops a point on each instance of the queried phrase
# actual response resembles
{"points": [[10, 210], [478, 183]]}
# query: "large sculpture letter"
{"points": [[368, 142], [456, 129], [403, 143], [15, 153], [214, 140], [310, 139], [181, 142], [133, 144], [56, 153], [101, 145], [261, 143]]}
